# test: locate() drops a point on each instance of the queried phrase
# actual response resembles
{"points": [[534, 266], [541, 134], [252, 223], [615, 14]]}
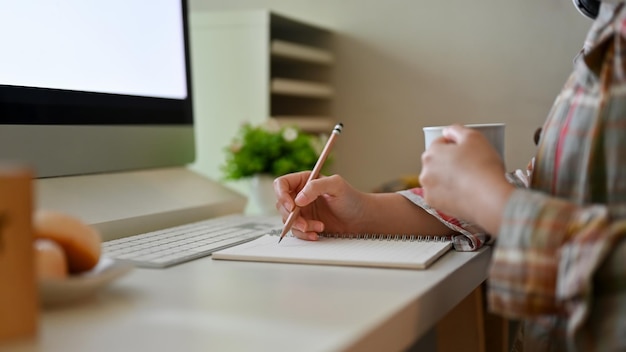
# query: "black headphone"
{"points": [[589, 8]]}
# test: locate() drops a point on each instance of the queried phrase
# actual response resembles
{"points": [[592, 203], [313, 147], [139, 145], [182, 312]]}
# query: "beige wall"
{"points": [[405, 64]]}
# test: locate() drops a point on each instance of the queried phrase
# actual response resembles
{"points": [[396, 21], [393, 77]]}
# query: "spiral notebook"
{"points": [[383, 251]]}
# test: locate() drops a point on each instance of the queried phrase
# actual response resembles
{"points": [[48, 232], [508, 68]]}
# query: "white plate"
{"points": [[83, 285]]}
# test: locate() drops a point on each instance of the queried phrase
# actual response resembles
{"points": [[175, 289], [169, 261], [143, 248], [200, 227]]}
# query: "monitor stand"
{"points": [[129, 203]]}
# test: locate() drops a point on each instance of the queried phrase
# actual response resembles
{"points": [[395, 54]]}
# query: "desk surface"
{"points": [[241, 306]]}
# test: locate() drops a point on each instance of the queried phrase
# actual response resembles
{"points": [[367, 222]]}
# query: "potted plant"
{"points": [[265, 151]]}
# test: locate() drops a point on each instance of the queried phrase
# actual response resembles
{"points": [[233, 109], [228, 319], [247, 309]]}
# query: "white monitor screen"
{"points": [[90, 86], [95, 46]]}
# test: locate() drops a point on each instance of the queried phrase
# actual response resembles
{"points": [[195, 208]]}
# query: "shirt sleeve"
{"points": [[548, 250], [471, 237]]}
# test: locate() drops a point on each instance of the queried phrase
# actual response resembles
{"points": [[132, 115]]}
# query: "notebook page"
{"points": [[337, 251]]}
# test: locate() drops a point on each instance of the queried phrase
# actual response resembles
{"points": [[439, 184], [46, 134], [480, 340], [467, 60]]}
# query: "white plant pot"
{"points": [[261, 197]]}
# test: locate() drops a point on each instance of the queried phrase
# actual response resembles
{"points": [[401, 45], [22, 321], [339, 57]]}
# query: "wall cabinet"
{"points": [[251, 66]]}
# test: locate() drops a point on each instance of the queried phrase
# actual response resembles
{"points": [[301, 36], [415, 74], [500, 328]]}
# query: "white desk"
{"points": [[207, 305]]}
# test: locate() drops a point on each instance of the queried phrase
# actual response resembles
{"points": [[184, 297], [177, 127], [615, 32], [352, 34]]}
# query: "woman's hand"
{"points": [[463, 175], [327, 204]]}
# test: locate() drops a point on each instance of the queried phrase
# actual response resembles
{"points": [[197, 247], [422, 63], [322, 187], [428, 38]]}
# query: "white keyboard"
{"points": [[175, 245]]}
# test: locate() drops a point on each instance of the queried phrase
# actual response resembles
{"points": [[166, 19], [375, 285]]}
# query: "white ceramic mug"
{"points": [[493, 131]]}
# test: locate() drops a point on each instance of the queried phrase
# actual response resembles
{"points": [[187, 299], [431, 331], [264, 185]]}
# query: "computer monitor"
{"points": [[95, 86], [103, 89]]}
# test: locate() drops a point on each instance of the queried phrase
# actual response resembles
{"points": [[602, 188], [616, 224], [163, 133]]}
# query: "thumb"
{"points": [[454, 133], [325, 185], [309, 193]]}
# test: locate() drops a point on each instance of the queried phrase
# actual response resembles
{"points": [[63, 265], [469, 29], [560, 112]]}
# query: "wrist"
{"points": [[394, 213], [487, 212], [369, 218]]}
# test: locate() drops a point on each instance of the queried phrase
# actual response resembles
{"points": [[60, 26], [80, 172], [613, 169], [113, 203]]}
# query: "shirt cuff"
{"points": [[471, 237]]}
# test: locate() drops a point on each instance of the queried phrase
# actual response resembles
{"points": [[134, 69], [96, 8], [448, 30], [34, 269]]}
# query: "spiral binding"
{"points": [[380, 237], [389, 237]]}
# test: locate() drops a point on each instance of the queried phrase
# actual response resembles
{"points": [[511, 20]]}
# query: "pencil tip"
{"points": [[280, 239]]}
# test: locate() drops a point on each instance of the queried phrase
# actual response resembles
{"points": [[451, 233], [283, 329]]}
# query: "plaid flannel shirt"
{"points": [[559, 262]]}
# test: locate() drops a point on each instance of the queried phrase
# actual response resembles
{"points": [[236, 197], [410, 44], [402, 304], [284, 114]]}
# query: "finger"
{"points": [[285, 188], [291, 183], [282, 211], [307, 230], [301, 228], [426, 178], [304, 225], [454, 133], [309, 236], [325, 185], [439, 140]]}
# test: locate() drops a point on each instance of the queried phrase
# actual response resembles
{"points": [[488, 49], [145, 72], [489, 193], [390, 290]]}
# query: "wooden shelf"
{"points": [[255, 65], [288, 86], [313, 124], [288, 50], [301, 64]]}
